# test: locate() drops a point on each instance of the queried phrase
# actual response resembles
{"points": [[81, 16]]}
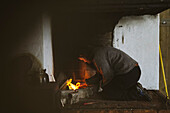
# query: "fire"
{"points": [[74, 87]]}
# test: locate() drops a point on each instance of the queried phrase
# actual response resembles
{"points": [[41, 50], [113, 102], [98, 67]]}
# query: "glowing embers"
{"points": [[77, 86]]}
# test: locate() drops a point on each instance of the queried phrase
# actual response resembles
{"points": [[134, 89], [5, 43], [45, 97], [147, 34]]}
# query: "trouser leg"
{"points": [[122, 85]]}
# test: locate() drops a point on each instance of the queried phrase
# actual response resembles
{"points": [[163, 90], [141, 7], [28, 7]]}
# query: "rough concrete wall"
{"points": [[138, 36]]}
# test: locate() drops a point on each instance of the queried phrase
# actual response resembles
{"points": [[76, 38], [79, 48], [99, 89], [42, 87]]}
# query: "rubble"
{"points": [[74, 96]]}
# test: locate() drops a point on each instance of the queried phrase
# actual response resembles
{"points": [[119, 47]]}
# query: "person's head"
{"points": [[84, 59], [85, 54]]}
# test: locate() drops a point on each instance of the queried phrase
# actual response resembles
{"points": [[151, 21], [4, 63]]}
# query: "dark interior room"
{"points": [[41, 42]]}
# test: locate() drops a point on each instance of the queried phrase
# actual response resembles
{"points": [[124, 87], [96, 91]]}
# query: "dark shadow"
{"points": [[23, 91]]}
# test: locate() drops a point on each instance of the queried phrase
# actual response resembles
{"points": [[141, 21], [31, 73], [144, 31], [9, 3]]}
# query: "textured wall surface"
{"points": [[138, 36], [47, 46], [29, 39]]}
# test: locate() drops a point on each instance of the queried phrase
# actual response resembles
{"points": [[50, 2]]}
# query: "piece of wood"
{"points": [[165, 46]]}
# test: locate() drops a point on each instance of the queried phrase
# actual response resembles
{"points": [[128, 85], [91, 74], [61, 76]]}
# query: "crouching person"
{"points": [[117, 74]]}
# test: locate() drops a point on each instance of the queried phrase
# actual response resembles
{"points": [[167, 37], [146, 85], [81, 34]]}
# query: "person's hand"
{"points": [[100, 71]]}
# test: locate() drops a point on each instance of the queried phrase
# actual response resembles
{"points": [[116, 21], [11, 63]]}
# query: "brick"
{"points": [[164, 111], [144, 111]]}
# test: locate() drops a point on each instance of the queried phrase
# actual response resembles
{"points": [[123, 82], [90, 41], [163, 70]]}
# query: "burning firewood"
{"points": [[72, 86]]}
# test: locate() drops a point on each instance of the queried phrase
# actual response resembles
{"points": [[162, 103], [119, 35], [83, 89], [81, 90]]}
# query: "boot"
{"points": [[143, 94]]}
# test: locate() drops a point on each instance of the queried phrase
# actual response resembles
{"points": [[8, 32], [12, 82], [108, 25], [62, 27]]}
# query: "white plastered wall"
{"points": [[47, 47], [37, 41], [138, 36]]}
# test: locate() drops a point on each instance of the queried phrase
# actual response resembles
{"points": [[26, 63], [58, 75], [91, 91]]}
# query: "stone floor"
{"points": [[159, 104]]}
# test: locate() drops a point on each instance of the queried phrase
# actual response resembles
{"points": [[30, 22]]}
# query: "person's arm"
{"points": [[99, 70]]}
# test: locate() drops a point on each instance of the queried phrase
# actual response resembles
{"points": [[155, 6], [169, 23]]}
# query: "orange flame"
{"points": [[72, 86]]}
